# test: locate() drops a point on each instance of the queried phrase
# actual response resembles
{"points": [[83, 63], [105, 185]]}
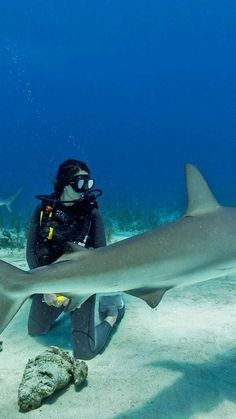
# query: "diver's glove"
{"points": [[55, 300]]}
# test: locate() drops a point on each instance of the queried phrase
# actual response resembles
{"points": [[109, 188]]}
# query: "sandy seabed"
{"points": [[175, 362]]}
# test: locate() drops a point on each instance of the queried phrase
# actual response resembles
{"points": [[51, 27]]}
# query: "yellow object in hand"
{"points": [[60, 298]]}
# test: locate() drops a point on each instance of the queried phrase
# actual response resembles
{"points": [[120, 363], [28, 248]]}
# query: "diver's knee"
{"points": [[83, 346], [85, 356], [84, 352]]}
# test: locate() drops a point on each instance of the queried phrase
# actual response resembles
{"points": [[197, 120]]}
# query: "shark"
{"points": [[199, 246], [7, 202]]}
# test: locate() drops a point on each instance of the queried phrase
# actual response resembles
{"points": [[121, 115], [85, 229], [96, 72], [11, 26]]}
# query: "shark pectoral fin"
{"points": [[8, 308], [151, 296], [72, 252]]}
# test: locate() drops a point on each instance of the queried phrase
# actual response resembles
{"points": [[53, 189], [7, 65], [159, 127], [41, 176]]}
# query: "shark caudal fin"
{"points": [[200, 197], [11, 297], [9, 201]]}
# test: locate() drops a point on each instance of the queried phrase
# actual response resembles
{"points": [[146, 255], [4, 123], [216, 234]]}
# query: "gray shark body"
{"points": [[200, 246]]}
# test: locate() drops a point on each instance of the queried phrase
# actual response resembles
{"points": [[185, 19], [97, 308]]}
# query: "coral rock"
{"points": [[80, 372], [47, 373]]}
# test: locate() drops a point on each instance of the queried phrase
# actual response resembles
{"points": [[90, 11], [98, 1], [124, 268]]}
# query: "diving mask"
{"points": [[82, 183]]}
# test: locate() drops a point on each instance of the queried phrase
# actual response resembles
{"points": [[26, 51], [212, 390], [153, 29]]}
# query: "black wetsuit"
{"points": [[77, 223]]}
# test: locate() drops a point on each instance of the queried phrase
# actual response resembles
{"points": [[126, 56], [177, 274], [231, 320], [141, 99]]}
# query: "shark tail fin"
{"points": [[200, 197], [11, 298], [9, 201]]}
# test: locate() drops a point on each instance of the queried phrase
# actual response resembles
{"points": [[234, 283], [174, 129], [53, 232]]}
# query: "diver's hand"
{"points": [[55, 300]]}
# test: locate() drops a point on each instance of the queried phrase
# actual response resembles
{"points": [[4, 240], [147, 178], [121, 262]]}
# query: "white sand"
{"points": [[177, 361]]}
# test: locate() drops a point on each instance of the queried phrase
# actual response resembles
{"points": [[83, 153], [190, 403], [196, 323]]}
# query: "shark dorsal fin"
{"points": [[200, 197]]}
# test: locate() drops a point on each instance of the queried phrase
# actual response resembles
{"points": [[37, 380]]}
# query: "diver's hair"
{"points": [[66, 171]]}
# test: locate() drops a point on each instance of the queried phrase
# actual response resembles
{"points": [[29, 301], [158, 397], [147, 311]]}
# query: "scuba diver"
{"points": [[70, 214]]}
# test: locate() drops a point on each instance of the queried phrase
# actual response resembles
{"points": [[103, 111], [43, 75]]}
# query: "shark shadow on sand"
{"points": [[200, 389]]}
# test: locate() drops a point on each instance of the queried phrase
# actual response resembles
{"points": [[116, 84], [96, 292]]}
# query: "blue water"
{"points": [[135, 88]]}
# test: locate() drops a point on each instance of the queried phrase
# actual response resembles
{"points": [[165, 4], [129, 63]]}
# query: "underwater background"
{"points": [[135, 88]]}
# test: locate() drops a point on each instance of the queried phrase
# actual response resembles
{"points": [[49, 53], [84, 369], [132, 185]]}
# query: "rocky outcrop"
{"points": [[48, 372]]}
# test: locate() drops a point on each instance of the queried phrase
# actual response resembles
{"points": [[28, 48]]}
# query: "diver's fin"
{"points": [[200, 197], [151, 296]]}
